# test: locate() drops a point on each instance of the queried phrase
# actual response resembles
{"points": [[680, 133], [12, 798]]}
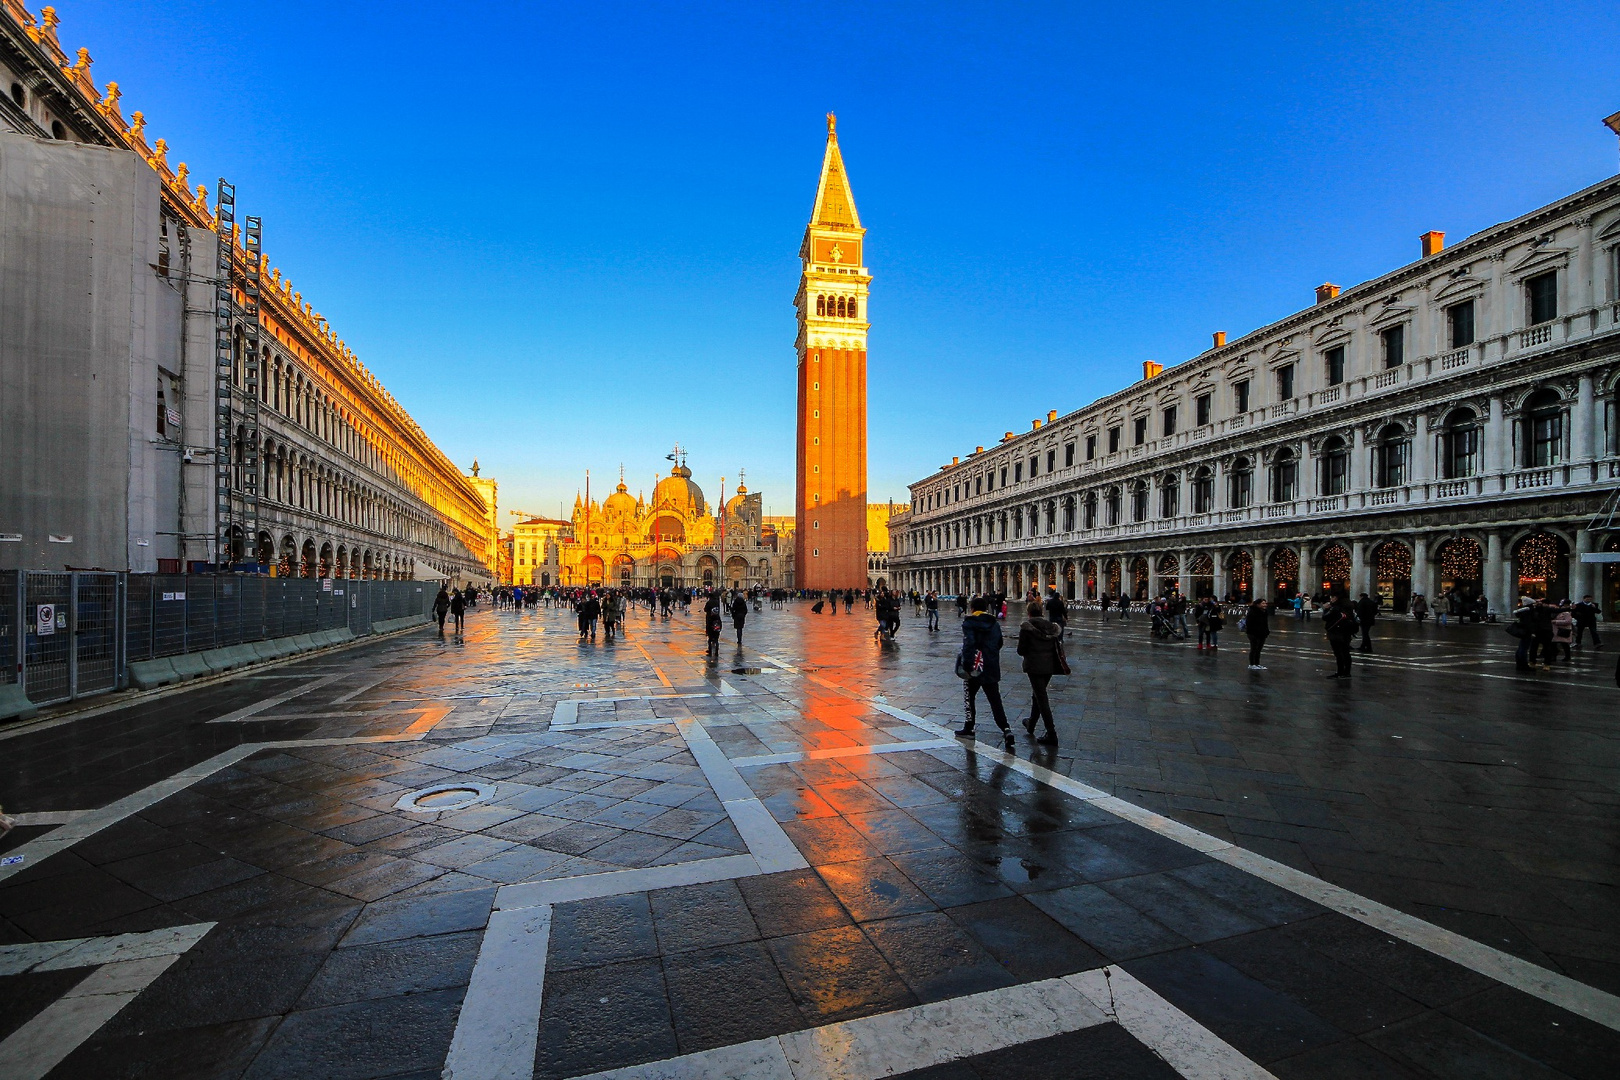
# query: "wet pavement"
{"points": [[512, 854]]}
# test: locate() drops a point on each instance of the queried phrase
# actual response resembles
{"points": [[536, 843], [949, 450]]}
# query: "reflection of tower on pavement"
{"points": [[830, 549]]}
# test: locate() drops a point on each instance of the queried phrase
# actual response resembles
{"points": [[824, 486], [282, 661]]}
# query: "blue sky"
{"points": [[565, 235]]}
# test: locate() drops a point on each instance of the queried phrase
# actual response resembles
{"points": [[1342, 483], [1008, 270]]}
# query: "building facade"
{"points": [[833, 320], [877, 541], [1449, 426], [675, 539], [536, 551], [196, 412]]}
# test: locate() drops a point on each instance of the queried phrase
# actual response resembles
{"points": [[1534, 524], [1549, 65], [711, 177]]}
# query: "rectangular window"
{"points": [[1394, 346], [1460, 317], [1034, 465], [1202, 405], [1113, 439], [1068, 455], [1004, 476], [1169, 420], [1285, 383], [1051, 460], [1334, 358], [1018, 472], [978, 485], [1091, 448], [1139, 430], [1542, 293], [1240, 396]]}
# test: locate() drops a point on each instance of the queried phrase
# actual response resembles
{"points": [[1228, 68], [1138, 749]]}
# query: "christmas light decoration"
{"points": [[1394, 562], [1335, 566]]}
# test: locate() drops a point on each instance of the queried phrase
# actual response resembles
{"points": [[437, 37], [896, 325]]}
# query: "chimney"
{"points": [[978, 449], [1007, 436], [1035, 425], [956, 461], [1150, 369], [1432, 242], [1219, 338], [1326, 292], [1051, 416]]}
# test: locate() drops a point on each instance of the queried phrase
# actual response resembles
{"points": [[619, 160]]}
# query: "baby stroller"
{"points": [[1163, 628]]}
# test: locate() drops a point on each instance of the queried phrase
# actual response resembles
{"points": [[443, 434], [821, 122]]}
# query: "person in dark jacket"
{"points": [[739, 615], [980, 660], [712, 625], [458, 610], [1339, 620], [1038, 643], [1523, 627], [1257, 627], [1057, 612], [1586, 614], [1366, 614], [441, 606]]}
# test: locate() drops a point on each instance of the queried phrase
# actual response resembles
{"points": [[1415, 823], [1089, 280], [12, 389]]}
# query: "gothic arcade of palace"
{"points": [[1450, 425]]}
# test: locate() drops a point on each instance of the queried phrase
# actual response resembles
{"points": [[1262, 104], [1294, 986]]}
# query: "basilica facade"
{"points": [[1448, 427], [674, 539]]}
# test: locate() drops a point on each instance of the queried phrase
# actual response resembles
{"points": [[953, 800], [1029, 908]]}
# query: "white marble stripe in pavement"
{"points": [[944, 1031], [249, 711], [615, 882], [565, 714], [125, 965], [759, 830], [840, 751], [499, 1022], [1550, 986]]}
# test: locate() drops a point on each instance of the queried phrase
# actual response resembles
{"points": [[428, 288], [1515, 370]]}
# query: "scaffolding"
{"points": [[236, 387]]}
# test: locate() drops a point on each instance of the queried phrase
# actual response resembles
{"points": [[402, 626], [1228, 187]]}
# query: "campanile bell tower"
{"points": [[830, 548]]}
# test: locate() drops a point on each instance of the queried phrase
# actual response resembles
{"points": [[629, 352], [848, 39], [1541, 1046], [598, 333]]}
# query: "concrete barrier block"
{"points": [[147, 674], [264, 650], [342, 634], [216, 659], [190, 666], [241, 655], [14, 704], [302, 642]]}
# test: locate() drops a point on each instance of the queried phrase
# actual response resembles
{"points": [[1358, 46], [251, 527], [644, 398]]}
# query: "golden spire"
{"points": [[835, 202]]}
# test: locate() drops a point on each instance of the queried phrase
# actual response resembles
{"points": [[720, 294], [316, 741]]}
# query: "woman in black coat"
{"points": [[1038, 643], [1257, 627]]}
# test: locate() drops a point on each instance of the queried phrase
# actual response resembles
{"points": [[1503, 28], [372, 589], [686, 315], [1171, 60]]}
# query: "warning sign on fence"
{"points": [[45, 619]]}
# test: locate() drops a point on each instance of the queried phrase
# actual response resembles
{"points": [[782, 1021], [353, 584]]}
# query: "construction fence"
{"points": [[66, 635]]}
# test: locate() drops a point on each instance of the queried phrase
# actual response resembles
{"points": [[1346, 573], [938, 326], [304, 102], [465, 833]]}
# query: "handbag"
{"points": [[972, 670], [1060, 661]]}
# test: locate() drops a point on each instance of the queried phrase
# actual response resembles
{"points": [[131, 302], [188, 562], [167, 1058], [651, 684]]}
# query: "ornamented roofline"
{"points": [[288, 305]]}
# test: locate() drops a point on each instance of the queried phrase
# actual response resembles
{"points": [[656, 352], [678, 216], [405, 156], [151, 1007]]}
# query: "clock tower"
{"points": [[830, 548]]}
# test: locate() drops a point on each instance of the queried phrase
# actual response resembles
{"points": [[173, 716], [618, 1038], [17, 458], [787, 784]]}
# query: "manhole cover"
{"points": [[436, 800], [746, 670]]}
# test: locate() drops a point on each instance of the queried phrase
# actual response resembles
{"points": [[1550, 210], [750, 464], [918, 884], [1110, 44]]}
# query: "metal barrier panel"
{"points": [[95, 633], [202, 617], [227, 611], [10, 626], [168, 614], [48, 639], [138, 617]]}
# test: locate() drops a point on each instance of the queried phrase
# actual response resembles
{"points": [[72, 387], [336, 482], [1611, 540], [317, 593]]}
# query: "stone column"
{"points": [[1259, 575], [1581, 574], [1184, 574], [1498, 442], [1310, 578], [1421, 582], [1358, 569], [1218, 579], [1360, 471], [1497, 570], [1581, 423], [1422, 451], [1153, 577]]}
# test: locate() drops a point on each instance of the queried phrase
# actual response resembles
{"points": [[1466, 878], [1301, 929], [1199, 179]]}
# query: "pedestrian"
{"points": [[931, 602], [612, 611], [1057, 612], [1366, 614], [712, 625], [441, 606], [1420, 608], [1124, 606], [979, 666], [1210, 621], [1563, 631], [458, 609], [1040, 643], [1339, 620], [1543, 622], [1299, 606], [1585, 614], [1523, 627], [1257, 627], [739, 615]]}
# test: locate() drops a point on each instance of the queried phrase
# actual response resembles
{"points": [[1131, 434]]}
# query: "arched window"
{"points": [[1113, 506], [1543, 429], [1390, 457], [1089, 517], [1335, 466], [854, 307], [1203, 490], [1284, 476], [1139, 501], [1169, 496], [821, 304], [1068, 513], [840, 307], [1242, 483], [1459, 445]]}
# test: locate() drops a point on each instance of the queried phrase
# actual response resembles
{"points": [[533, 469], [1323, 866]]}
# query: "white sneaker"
{"points": [[1256, 667]]}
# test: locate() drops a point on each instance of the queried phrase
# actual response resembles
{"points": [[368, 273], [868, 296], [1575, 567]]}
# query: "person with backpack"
{"points": [[1040, 643], [739, 615], [979, 666], [1339, 620]]}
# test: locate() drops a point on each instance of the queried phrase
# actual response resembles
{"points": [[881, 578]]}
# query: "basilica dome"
{"points": [[677, 491], [619, 503]]}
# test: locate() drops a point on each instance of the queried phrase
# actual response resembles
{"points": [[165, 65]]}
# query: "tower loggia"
{"points": [[830, 551]]}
